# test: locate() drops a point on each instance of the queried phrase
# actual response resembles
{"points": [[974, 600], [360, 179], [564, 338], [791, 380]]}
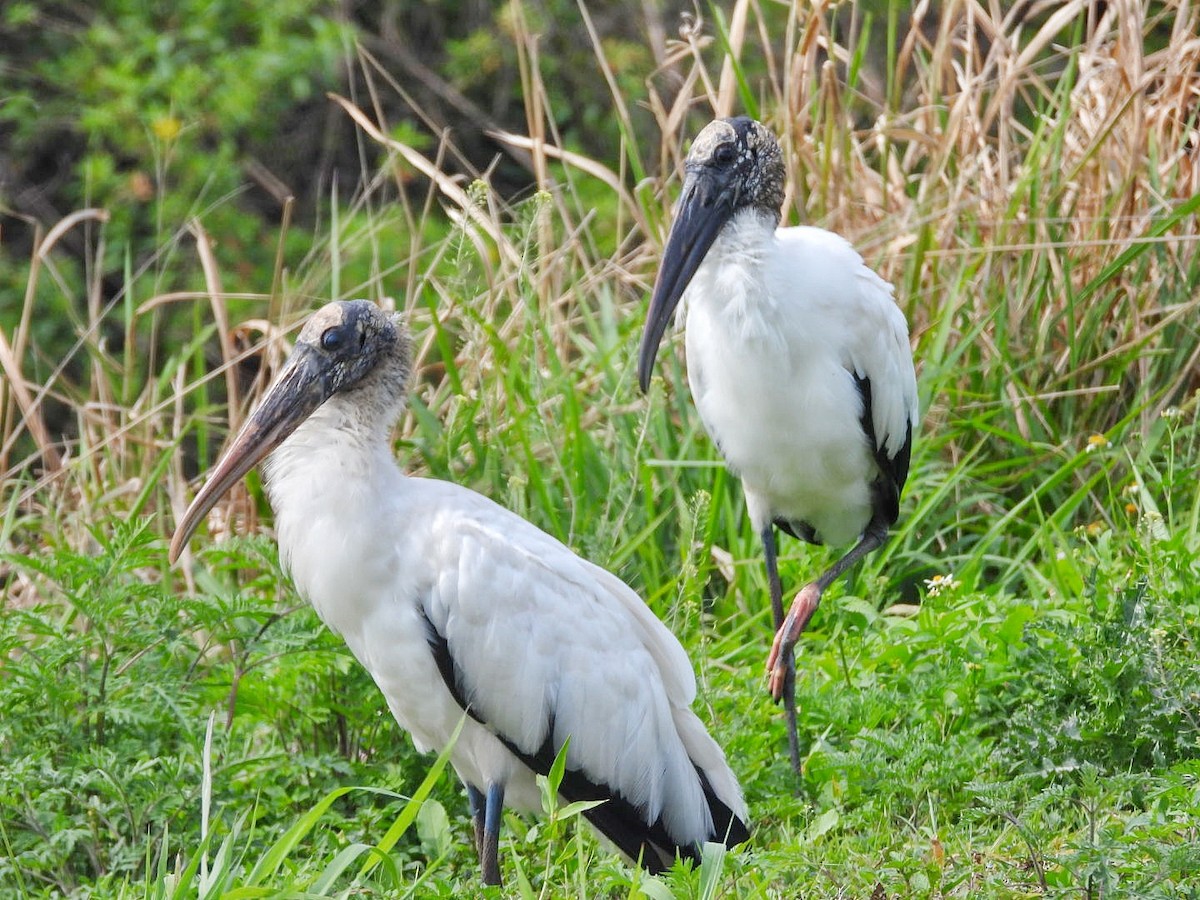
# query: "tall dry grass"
{"points": [[1026, 177]]}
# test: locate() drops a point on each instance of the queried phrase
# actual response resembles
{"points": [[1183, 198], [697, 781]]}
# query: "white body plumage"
{"points": [[538, 634], [778, 323]]}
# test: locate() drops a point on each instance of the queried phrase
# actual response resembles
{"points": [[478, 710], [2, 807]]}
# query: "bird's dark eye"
{"points": [[725, 154], [331, 340]]}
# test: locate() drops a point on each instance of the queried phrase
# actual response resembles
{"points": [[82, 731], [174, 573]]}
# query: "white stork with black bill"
{"points": [[458, 607], [799, 364]]}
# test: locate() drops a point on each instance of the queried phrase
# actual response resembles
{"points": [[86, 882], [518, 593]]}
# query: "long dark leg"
{"points": [[779, 662], [788, 687], [476, 801], [489, 849]]}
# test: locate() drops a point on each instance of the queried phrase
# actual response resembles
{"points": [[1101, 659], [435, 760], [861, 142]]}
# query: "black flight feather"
{"points": [[893, 470]]}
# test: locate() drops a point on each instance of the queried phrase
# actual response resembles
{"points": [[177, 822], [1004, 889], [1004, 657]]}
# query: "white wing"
{"points": [[547, 645], [853, 309]]}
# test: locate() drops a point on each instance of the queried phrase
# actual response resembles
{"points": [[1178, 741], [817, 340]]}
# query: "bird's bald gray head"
{"points": [[359, 345], [349, 367], [750, 156]]}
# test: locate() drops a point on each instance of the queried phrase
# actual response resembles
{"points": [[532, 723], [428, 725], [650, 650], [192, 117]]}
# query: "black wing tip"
{"points": [[736, 832], [649, 843], [902, 459], [738, 835], [728, 827], [893, 468], [621, 822]]}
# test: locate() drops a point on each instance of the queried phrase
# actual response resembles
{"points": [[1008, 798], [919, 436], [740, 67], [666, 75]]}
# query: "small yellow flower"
{"points": [[1096, 442], [1131, 508], [166, 128], [1093, 528]]}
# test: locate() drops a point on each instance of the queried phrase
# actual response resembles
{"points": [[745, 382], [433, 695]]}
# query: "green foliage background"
{"points": [[1003, 702]]}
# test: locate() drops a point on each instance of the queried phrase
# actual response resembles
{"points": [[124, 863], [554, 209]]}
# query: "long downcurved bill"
{"points": [[702, 213], [297, 392]]}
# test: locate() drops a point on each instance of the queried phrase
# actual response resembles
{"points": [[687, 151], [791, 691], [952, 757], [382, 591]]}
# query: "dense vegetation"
{"points": [[1004, 701]]}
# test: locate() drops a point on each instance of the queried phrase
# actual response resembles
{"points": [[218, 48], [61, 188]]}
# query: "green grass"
{"points": [[1002, 702]]}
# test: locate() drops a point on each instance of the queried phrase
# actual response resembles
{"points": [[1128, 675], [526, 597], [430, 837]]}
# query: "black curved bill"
{"points": [[704, 208], [301, 387]]}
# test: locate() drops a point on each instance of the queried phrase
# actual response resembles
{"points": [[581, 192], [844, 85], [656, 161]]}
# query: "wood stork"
{"points": [[456, 605], [798, 361]]}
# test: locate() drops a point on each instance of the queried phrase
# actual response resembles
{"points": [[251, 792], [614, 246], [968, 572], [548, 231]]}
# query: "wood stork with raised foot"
{"points": [[799, 365], [456, 605]]}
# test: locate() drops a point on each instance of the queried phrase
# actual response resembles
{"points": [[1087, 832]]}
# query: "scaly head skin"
{"points": [[743, 160]]}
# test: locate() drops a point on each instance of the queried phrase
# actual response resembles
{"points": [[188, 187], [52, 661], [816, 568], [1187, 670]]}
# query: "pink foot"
{"points": [[803, 607]]}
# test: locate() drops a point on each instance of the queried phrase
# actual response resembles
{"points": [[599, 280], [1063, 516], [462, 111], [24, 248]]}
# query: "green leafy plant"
{"points": [[1001, 702]]}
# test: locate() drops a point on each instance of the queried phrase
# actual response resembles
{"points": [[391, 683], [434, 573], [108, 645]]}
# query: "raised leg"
{"points": [[787, 678], [489, 850], [780, 661]]}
